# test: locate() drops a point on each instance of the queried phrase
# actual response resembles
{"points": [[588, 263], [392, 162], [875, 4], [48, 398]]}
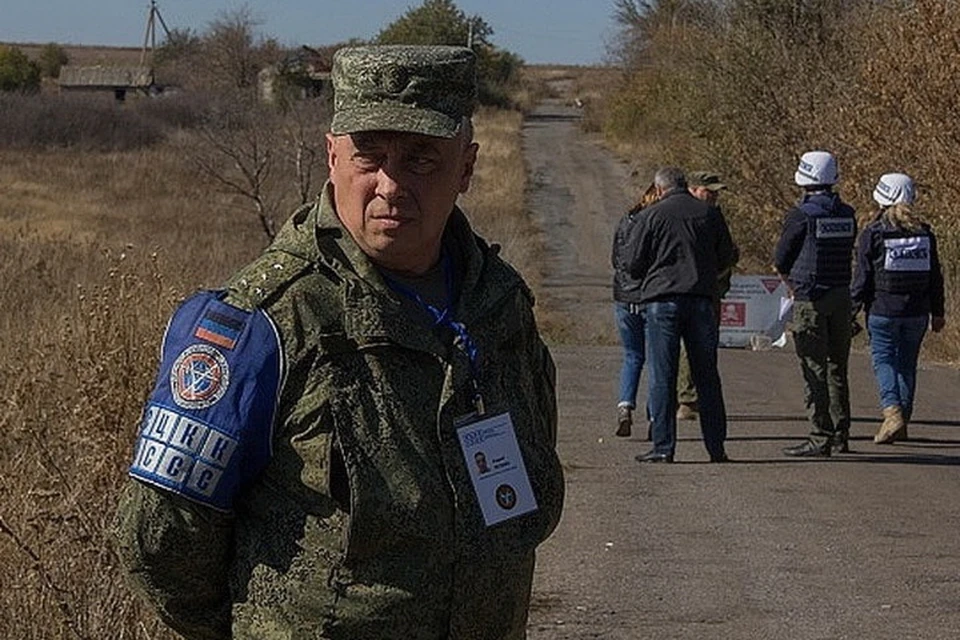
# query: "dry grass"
{"points": [[96, 249]]}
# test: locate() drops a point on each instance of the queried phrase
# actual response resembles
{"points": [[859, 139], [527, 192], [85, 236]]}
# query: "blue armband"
{"points": [[207, 427]]}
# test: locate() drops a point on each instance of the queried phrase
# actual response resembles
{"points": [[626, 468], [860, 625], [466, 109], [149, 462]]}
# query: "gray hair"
{"points": [[670, 178]]}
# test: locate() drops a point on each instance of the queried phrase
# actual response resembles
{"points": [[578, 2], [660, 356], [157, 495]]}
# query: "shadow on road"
{"points": [[856, 419], [552, 117]]}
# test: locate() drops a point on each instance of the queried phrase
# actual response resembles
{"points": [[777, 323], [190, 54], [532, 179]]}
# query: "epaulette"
{"points": [[264, 279]]}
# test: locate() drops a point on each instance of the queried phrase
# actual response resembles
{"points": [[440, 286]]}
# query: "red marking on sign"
{"points": [[733, 314]]}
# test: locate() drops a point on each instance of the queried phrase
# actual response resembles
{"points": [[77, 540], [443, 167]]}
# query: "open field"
{"points": [[87, 55]]}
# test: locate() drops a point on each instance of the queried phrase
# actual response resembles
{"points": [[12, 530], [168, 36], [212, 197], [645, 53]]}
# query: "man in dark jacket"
{"points": [[813, 257], [679, 246]]}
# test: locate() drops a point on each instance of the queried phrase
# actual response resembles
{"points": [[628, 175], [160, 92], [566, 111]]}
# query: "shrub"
{"points": [[51, 58], [17, 71]]}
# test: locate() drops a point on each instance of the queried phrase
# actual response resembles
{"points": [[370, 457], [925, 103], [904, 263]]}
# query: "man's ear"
{"points": [[469, 160], [331, 151]]}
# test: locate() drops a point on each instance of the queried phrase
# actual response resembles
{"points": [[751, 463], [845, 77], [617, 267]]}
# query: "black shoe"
{"points": [[839, 444], [624, 421], [808, 450], [720, 458], [653, 456]]}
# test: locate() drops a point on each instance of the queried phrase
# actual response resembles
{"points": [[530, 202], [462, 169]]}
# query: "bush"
{"points": [[17, 71], [51, 58]]}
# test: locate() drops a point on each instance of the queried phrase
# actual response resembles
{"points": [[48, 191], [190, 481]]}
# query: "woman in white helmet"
{"points": [[899, 284]]}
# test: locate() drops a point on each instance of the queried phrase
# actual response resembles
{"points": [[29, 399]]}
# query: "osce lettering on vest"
{"points": [[835, 228], [907, 254], [207, 426]]}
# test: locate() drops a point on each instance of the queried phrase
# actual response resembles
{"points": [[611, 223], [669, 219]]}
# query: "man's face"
{"points": [[702, 193], [395, 191]]}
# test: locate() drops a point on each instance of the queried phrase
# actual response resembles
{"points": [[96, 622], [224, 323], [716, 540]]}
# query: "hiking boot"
{"points": [[687, 411], [624, 421], [808, 449], [901, 435], [892, 424]]}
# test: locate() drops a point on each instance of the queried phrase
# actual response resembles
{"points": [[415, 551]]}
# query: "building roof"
{"points": [[100, 76]]}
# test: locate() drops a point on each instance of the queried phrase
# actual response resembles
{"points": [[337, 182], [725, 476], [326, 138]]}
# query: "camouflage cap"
{"points": [[417, 89], [705, 179]]}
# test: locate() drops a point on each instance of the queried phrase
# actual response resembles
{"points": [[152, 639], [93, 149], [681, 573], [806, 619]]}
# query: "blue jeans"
{"points": [[895, 347], [692, 319], [630, 325]]}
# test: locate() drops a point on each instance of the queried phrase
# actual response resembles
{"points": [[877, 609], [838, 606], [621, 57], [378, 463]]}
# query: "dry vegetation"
{"points": [[96, 248], [744, 87]]}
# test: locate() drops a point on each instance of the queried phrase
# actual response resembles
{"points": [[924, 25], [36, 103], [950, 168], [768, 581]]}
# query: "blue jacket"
{"points": [[816, 245], [898, 272]]}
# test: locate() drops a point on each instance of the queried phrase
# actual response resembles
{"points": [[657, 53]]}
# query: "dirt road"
{"points": [[863, 545]]}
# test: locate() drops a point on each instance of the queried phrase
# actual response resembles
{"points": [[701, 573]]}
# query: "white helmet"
{"points": [[894, 188], [816, 167]]}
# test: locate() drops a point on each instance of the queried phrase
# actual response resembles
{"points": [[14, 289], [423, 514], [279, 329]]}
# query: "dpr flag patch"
{"points": [[220, 326]]}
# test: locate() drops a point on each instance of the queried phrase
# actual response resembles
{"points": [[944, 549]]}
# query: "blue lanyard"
{"points": [[444, 318]]}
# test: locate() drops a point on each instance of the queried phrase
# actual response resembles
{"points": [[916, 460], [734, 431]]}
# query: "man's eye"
{"points": [[421, 164], [366, 162]]}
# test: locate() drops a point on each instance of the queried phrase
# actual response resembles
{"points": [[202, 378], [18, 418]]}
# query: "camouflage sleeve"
{"points": [[176, 553]]}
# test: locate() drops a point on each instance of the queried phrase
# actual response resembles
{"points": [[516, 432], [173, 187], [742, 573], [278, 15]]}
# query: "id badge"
{"points": [[496, 467]]}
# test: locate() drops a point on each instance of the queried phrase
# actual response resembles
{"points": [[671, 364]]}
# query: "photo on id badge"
{"points": [[497, 471]]}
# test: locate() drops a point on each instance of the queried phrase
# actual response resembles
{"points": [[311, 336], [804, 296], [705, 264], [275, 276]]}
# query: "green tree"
{"points": [[51, 58], [442, 22], [436, 22], [17, 71]]}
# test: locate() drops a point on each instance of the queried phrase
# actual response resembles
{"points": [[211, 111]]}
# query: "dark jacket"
{"points": [[679, 246], [898, 272], [816, 245], [625, 288]]}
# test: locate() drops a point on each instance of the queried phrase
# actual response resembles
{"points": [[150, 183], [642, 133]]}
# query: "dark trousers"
{"points": [[691, 319], [821, 332]]}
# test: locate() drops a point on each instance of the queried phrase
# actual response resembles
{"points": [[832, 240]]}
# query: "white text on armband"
{"points": [[181, 453]]}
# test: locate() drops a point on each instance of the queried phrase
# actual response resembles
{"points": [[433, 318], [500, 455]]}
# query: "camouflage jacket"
{"points": [[364, 523]]}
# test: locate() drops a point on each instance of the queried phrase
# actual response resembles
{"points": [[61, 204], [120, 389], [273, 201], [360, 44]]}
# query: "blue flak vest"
{"points": [[825, 259], [207, 428], [904, 263]]}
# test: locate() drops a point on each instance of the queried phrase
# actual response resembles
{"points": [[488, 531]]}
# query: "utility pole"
{"points": [[150, 36], [470, 35]]}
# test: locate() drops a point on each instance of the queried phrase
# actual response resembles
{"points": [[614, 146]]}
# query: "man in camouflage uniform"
{"points": [[705, 186], [307, 463]]}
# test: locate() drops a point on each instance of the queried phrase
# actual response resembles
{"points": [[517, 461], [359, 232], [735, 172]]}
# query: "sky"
{"points": [[539, 31]]}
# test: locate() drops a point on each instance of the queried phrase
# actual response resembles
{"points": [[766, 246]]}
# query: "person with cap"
{"points": [[899, 285], [705, 186], [813, 257], [628, 314], [307, 461], [679, 246]]}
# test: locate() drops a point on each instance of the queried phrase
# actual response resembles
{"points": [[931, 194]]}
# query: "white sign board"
{"points": [[750, 313]]}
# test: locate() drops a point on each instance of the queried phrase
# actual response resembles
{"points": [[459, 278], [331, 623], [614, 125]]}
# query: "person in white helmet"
{"points": [[813, 257], [899, 284]]}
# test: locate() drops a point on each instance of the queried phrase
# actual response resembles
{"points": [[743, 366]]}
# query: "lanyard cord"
{"points": [[443, 317]]}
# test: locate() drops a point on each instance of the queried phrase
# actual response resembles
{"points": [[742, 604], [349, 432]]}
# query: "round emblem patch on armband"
{"points": [[199, 377]]}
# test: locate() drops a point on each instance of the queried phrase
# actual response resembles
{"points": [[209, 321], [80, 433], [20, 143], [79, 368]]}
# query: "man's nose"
{"points": [[389, 186]]}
